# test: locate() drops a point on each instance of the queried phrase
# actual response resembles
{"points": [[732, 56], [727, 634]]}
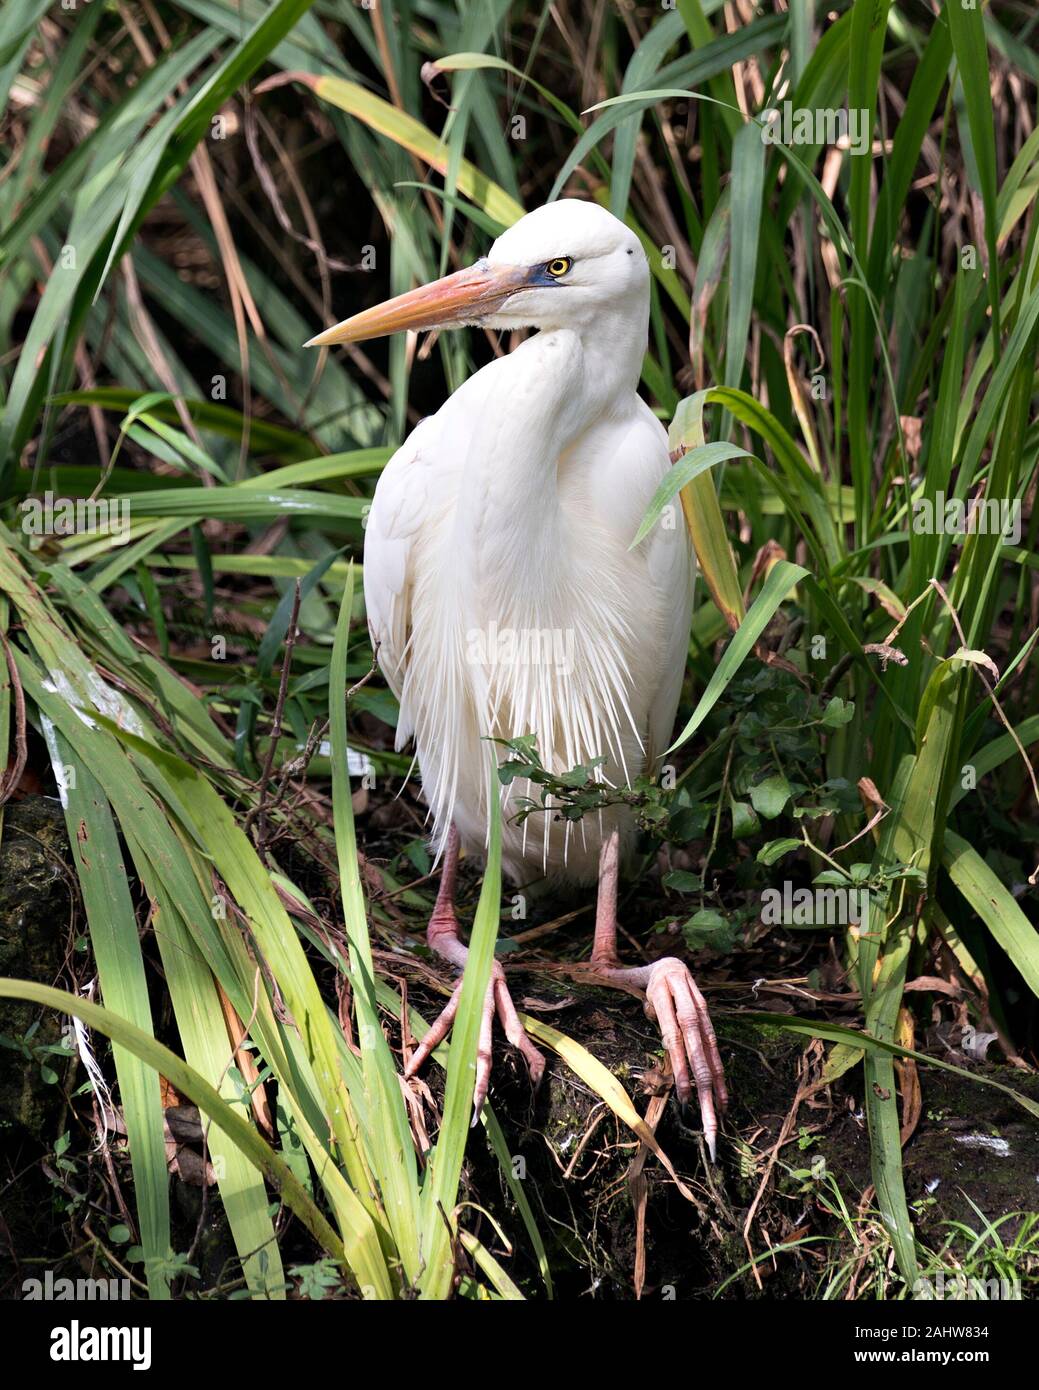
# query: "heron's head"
{"points": [[562, 266]]}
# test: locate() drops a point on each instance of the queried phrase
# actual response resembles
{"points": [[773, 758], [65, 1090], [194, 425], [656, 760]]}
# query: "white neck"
{"points": [[530, 410]]}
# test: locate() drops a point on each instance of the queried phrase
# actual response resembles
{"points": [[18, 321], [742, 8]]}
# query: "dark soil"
{"points": [[572, 1154], [979, 1145], [36, 913]]}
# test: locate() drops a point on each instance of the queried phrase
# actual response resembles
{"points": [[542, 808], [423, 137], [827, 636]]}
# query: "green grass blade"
{"points": [[389, 1133], [440, 1192], [203, 1036], [864, 1042], [703, 515], [995, 905], [116, 945], [967, 26], [748, 180], [782, 578], [698, 460]]}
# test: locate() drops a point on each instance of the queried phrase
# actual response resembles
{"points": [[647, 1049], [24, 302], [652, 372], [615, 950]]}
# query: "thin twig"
{"points": [[270, 189], [366, 678]]}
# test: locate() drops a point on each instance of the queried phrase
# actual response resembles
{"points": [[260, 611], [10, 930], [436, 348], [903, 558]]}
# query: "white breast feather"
{"points": [[628, 613]]}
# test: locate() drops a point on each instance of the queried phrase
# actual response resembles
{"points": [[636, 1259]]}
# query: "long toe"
{"points": [[673, 999], [497, 1001], [437, 1033], [710, 1045], [516, 1033], [484, 1054]]}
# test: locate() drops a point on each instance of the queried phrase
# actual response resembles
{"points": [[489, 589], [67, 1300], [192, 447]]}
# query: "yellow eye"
{"points": [[559, 266]]}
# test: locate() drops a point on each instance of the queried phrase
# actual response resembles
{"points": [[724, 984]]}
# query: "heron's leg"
{"points": [[443, 938], [604, 943], [442, 930], [672, 1000]]}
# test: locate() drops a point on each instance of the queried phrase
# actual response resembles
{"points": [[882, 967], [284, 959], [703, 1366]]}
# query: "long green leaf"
{"points": [[389, 1133], [775, 589], [116, 946], [995, 905], [440, 1192]]}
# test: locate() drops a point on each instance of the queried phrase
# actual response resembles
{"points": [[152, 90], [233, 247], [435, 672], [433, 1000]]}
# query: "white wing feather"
{"points": [[400, 508]]}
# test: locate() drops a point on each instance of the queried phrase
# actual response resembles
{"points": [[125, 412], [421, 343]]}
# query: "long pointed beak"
{"points": [[465, 297]]}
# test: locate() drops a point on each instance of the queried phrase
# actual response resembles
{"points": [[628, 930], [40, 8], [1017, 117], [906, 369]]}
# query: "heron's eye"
{"points": [[559, 266]]}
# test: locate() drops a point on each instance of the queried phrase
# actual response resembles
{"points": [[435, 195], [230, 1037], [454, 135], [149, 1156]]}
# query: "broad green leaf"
{"points": [[775, 589], [995, 905]]}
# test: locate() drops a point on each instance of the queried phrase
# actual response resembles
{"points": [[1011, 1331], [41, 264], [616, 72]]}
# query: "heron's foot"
{"points": [[675, 1004], [498, 1001], [674, 1001]]}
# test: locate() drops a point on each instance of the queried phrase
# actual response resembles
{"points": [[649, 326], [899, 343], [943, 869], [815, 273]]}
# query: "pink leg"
{"points": [[672, 1000], [443, 938]]}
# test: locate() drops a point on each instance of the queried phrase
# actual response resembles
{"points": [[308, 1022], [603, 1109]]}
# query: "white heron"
{"points": [[505, 600]]}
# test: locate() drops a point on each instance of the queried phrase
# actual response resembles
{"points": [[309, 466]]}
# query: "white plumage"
{"points": [[498, 577]]}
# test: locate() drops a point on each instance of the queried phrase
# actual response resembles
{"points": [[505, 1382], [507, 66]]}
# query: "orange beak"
{"points": [[465, 297]]}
